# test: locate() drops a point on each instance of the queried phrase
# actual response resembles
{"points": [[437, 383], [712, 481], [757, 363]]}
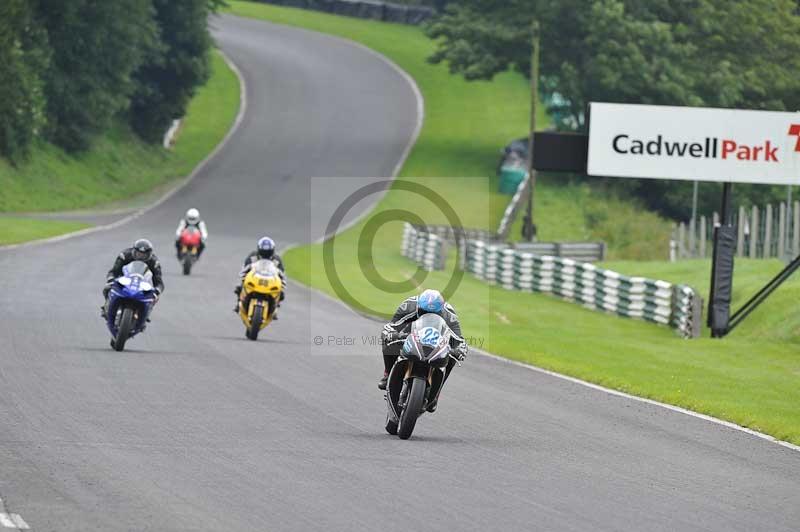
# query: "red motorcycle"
{"points": [[189, 248]]}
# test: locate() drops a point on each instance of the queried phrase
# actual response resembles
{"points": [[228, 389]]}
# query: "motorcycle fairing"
{"points": [[135, 285]]}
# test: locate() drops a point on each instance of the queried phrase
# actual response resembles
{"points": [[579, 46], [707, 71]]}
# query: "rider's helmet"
{"points": [[192, 216], [430, 302], [142, 249], [266, 247]]}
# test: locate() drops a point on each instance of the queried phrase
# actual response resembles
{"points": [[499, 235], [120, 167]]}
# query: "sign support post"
{"points": [[528, 227], [719, 299]]}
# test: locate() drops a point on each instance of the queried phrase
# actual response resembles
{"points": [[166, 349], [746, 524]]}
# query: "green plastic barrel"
{"points": [[510, 178]]}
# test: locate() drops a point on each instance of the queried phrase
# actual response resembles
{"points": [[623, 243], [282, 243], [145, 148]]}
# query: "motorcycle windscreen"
{"points": [[137, 267], [265, 268]]}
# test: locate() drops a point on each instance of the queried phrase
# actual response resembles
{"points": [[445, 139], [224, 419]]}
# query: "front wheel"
{"points": [[255, 322], [187, 265], [412, 410], [125, 326]]}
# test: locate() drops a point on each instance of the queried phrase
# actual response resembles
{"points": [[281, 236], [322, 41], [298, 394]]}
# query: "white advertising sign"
{"points": [[694, 143]]}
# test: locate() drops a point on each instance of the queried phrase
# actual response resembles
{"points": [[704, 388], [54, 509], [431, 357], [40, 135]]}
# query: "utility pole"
{"points": [[528, 227]]}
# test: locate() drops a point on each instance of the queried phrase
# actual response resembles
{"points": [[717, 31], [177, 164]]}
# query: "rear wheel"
{"points": [[125, 326], [255, 322], [187, 265], [412, 410]]}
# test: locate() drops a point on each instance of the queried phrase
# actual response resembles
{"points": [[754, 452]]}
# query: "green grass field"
{"points": [[118, 166], [750, 378]]}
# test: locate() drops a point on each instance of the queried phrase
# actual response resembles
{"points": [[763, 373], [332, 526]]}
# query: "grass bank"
{"points": [[749, 378], [118, 166], [15, 230]]}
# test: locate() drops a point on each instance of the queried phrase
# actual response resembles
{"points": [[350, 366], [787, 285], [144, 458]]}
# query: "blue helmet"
{"points": [[266, 247], [430, 301]]}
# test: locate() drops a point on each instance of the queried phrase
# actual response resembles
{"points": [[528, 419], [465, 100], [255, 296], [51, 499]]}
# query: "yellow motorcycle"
{"points": [[258, 300]]}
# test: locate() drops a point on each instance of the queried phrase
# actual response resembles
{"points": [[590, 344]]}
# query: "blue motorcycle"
{"points": [[130, 301]]}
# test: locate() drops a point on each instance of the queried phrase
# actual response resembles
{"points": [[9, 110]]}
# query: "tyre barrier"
{"points": [[427, 249], [367, 9], [677, 306]]}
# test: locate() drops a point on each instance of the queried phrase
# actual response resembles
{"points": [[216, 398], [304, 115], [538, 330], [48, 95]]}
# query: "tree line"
{"points": [[70, 68], [716, 53]]}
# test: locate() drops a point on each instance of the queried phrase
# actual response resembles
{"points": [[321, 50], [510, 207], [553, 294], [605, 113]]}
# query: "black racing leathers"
{"points": [[401, 323], [126, 257]]}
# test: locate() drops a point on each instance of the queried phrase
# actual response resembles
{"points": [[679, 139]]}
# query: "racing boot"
{"points": [[237, 291], [432, 405], [383, 381]]}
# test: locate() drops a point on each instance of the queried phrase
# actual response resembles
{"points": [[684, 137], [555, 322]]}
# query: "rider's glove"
{"points": [[460, 352], [392, 336]]}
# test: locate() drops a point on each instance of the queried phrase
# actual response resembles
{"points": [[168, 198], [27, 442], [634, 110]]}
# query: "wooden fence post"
{"points": [[754, 233], [781, 229], [703, 237], [767, 232], [740, 233], [673, 244], [796, 233]]}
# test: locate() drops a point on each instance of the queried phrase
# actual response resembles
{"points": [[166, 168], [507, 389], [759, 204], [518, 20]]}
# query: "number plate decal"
{"points": [[429, 336]]}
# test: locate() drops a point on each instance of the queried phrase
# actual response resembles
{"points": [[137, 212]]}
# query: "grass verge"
{"points": [[118, 166], [749, 378], [15, 230]]}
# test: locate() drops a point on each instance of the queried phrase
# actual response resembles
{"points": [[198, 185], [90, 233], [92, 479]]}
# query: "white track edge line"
{"points": [[412, 141], [20, 522], [597, 387], [106, 227], [6, 522], [406, 153], [401, 162], [420, 100], [610, 391]]}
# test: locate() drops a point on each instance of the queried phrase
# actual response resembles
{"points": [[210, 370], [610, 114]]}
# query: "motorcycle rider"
{"points": [[395, 332], [191, 219], [142, 250], [265, 250]]}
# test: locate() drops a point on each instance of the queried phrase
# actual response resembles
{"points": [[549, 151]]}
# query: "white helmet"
{"points": [[192, 216]]}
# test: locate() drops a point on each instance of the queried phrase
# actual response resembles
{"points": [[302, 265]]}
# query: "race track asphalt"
{"points": [[195, 428]]}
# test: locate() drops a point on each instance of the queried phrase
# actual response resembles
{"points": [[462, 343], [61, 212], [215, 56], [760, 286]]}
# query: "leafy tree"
{"points": [[716, 53], [170, 77], [23, 59], [96, 47]]}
